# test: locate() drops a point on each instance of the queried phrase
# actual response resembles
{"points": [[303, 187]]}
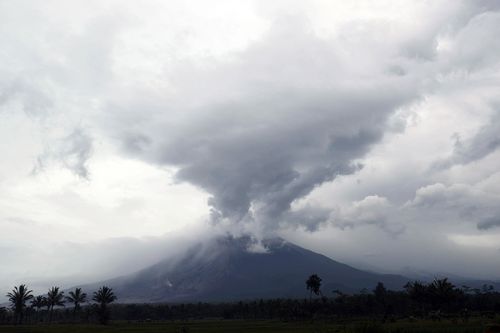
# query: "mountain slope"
{"points": [[226, 270]]}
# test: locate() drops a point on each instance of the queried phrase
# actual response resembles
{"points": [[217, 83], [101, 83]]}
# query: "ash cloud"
{"points": [[290, 113]]}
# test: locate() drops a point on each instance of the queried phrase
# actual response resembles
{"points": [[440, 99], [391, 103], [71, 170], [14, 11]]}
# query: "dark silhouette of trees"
{"points": [[46, 303], [380, 292], [381, 297], [18, 298], [417, 291], [55, 297], [104, 296], [38, 302], [435, 300], [76, 297], [442, 292], [3, 314], [313, 284]]}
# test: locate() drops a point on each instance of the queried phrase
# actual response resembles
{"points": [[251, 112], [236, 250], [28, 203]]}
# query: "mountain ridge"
{"points": [[230, 269]]}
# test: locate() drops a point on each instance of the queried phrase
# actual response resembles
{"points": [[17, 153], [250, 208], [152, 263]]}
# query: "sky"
{"points": [[366, 131]]}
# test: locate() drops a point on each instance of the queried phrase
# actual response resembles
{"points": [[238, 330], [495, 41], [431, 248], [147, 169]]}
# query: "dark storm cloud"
{"points": [[489, 223]]}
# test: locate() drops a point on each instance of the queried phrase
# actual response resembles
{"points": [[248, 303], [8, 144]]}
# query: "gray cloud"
{"points": [[370, 211], [475, 57], [488, 5], [72, 151], [288, 115], [459, 203], [489, 223], [32, 100], [310, 217], [292, 111], [471, 52], [485, 142]]}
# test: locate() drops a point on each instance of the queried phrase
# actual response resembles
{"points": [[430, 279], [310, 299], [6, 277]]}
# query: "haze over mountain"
{"points": [[231, 269]]}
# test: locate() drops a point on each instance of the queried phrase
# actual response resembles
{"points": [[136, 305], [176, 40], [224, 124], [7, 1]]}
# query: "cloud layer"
{"points": [[352, 129]]}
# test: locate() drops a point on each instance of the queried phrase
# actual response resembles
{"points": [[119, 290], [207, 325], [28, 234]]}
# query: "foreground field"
{"points": [[474, 326]]}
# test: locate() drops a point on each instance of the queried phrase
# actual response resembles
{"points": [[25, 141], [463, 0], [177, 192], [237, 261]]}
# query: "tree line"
{"points": [[434, 300], [42, 306]]}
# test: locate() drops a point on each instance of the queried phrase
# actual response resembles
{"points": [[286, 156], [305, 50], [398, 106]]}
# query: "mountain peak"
{"points": [[230, 268]]}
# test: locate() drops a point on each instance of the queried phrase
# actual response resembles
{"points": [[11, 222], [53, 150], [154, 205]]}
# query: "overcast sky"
{"points": [[368, 131]]}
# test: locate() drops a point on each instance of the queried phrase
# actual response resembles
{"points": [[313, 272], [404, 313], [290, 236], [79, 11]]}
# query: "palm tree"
{"points": [[443, 291], [76, 297], [38, 302], [18, 298], [46, 303], [54, 298], [313, 284], [417, 291], [103, 297]]}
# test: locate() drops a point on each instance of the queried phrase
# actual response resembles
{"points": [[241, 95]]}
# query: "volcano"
{"points": [[230, 269]]}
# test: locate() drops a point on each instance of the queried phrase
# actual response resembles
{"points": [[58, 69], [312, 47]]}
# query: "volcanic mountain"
{"points": [[231, 269]]}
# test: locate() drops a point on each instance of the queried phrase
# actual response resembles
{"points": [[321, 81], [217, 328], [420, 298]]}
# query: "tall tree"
{"points": [[55, 297], [18, 298], [76, 297], [313, 284], [380, 293], [104, 296], [417, 291], [38, 302], [46, 303], [443, 291]]}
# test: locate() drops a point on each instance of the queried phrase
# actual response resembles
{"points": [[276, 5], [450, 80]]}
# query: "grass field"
{"points": [[212, 326]]}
